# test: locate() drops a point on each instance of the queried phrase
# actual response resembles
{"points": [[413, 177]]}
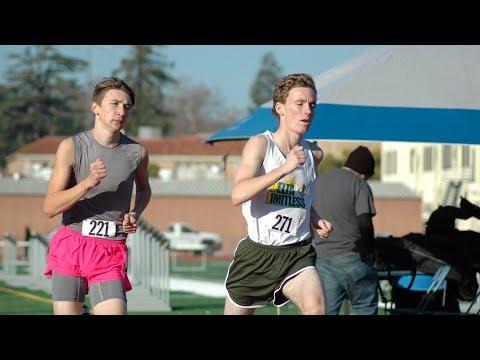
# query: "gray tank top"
{"points": [[111, 198]]}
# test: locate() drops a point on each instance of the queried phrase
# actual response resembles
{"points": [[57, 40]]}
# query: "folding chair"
{"points": [[426, 283], [473, 303], [477, 295], [438, 283]]}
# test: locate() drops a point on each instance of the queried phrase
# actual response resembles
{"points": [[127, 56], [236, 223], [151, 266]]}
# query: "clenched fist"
{"points": [[130, 222], [97, 173], [295, 157], [323, 228]]}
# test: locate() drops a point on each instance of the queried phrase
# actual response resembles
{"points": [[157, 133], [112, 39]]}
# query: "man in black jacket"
{"points": [[345, 259]]}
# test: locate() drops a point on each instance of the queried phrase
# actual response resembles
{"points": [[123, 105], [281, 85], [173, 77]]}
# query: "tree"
{"points": [[262, 89], [153, 170], [196, 108], [377, 157], [329, 162], [40, 97], [146, 71], [4, 144]]}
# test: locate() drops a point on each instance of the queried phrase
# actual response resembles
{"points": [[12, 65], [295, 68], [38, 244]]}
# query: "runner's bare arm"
{"points": [[58, 199], [247, 184]]}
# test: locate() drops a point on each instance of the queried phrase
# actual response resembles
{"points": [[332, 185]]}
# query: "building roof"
{"points": [[187, 145], [208, 188], [179, 145], [25, 186], [393, 190], [45, 145], [192, 145]]}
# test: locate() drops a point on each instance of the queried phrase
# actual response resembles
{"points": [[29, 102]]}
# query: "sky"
{"points": [[230, 69]]}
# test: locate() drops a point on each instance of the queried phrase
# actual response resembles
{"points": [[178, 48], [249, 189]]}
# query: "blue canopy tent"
{"points": [[390, 93]]}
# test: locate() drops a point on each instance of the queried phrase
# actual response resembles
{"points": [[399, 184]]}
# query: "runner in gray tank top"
{"points": [[110, 199], [91, 185]]}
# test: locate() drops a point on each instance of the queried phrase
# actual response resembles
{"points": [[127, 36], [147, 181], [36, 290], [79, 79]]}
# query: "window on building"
{"points": [[427, 158], [446, 156], [465, 156], [390, 162]]}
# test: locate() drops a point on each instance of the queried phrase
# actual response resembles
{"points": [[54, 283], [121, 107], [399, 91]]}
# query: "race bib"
{"points": [[283, 224], [99, 228]]}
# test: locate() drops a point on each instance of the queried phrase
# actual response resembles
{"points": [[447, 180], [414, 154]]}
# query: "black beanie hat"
{"points": [[361, 160]]}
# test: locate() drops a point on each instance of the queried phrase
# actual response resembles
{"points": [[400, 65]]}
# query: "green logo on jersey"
{"points": [[283, 194]]}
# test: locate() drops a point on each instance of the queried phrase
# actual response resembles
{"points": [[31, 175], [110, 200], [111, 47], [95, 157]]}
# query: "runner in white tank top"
{"points": [[274, 184], [280, 214]]}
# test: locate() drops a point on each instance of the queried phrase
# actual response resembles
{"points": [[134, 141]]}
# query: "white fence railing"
{"points": [[35, 249], [148, 260]]}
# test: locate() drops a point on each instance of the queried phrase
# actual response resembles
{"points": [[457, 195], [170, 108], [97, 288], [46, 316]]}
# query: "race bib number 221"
{"points": [[98, 228]]}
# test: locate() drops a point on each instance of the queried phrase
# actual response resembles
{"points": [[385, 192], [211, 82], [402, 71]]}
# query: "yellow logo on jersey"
{"points": [[283, 193]]}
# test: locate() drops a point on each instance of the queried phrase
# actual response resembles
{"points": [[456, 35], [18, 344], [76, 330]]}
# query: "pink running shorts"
{"points": [[95, 259]]}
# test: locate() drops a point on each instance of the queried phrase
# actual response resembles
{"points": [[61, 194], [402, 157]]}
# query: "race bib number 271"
{"points": [[284, 224], [98, 228]]}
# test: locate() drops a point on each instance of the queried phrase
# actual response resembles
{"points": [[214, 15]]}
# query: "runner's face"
{"points": [[299, 108], [114, 110]]}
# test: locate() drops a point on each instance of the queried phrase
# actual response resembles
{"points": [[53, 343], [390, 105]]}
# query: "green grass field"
{"points": [[182, 303], [216, 271], [15, 304]]}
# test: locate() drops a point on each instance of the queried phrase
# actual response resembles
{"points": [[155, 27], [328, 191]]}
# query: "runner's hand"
{"points": [[130, 222], [295, 157], [324, 228], [97, 173]]}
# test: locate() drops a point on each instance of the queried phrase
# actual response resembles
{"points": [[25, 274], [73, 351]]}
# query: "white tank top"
{"points": [[280, 215]]}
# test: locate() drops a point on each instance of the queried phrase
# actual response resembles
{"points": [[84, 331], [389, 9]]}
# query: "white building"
{"points": [[439, 173]]}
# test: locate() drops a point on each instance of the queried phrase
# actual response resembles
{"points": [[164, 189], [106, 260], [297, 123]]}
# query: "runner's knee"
{"points": [[317, 308]]}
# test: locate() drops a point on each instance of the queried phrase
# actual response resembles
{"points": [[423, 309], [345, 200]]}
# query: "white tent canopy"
{"points": [[397, 93]]}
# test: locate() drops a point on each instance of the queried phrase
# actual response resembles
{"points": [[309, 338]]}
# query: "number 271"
{"points": [[282, 221]]}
